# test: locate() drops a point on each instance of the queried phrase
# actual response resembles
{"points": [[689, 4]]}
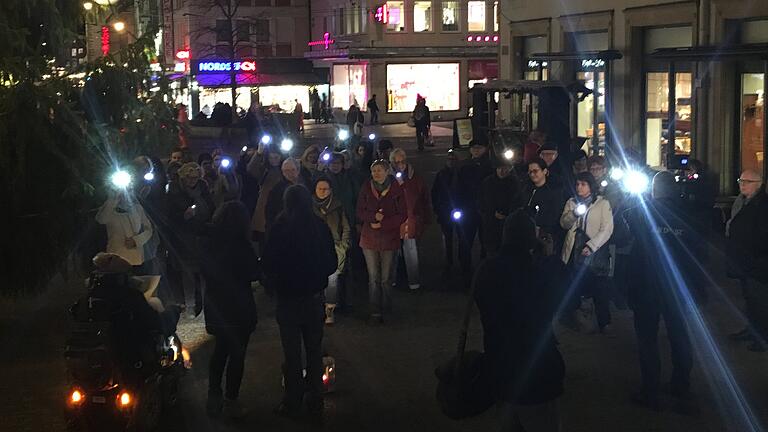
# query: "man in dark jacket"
{"points": [[662, 276], [747, 252], [545, 201], [373, 108], [499, 196], [470, 177], [291, 170], [300, 240], [516, 298], [443, 202]]}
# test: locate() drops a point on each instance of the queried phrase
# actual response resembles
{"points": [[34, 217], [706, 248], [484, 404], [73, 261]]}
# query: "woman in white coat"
{"points": [[128, 228], [588, 221]]}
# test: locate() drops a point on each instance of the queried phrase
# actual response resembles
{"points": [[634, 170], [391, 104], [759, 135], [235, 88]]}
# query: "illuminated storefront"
{"points": [[437, 82], [348, 86]]}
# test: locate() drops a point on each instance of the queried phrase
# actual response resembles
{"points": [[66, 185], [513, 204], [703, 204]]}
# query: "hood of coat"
{"points": [[305, 161]]}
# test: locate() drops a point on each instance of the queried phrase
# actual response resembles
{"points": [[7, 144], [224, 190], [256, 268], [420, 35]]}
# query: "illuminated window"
{"points": [[657, 117], [476, 16], [752, 128], [437, 82], [348, 86], [396, 19], [450, 16], [422, 16]]}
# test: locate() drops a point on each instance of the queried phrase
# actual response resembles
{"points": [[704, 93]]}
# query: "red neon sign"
{"points": [[105, 40], [182, 54], [382, 14], [327, 41]]}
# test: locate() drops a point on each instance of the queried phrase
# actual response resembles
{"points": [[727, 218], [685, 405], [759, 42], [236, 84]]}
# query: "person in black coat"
{"points": [[747, 252], [470, 177], [499, 196], [516, 297], [300, 240], [544, 200], [230, 311], [291, 170], [443, 202]]}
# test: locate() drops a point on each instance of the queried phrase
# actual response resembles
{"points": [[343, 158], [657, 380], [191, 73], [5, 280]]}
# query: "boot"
{"points": [[329, 318]]}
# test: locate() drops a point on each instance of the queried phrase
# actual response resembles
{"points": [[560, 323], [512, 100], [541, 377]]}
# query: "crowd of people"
{"points": [[558, 238]]}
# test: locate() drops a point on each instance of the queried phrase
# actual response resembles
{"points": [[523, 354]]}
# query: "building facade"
{"points": [[397, 50], [671, 78]]}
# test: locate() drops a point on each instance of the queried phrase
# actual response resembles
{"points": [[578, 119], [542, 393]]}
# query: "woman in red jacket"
{"points": [[381, 208]]}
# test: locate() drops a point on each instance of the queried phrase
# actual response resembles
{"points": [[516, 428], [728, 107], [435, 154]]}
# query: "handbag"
{"points": [[599, 262], [411, 121], [464, 387]]}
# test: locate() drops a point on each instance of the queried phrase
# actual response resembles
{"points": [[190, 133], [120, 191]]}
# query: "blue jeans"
{"points": [[410, 256], [379, 264]]}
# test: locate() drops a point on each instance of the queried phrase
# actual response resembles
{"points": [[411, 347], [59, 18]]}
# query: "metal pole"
{"points": [[765, 118], [608, 118], [672, 108]]}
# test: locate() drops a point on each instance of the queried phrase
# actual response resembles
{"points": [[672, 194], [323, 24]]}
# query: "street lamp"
{"points": [[119, 26], [88, 6]]}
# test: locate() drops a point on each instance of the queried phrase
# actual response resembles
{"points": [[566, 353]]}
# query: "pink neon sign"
{"points": [[327, 41]]}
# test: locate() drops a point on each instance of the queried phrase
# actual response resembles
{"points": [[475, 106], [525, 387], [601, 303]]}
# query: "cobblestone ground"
{"points": [[385, 374]]}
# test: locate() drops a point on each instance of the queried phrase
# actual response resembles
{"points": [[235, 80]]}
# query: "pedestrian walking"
{"points": [[382, 209], [516, 298], [315, 105], [588, 222], [300, 238], [331, 211], [230, 311], [373, 108], [747, 252], [298, 111], [422, 120], [417, 202]]}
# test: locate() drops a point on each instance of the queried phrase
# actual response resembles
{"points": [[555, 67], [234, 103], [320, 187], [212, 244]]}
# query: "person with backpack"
{"points": [[422, 121]]}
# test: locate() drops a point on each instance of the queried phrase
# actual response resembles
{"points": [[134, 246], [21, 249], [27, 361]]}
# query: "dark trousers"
{"points": [[756, 302], [421, 134], [374, 116], [647, 317], [585, 283], [229, 353], [469, 227], [447, 230], [301, 319]]}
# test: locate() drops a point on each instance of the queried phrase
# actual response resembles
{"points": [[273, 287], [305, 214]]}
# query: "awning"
{"points": [[577, 55], [260, 79], [395, 52], [576, 88], [713, 53]]}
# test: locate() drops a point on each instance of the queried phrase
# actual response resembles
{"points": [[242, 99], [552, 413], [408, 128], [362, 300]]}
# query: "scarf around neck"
{"points": [[381, 187], [323, 204]]}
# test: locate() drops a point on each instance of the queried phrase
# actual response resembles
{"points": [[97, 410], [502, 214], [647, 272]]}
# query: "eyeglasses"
{"points": [[742, 180]]}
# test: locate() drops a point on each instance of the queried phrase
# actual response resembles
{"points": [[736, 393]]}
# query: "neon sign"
{"points": [[382, 14], [327, 41], [533, 64], [480, 38], [226, 66], [592, 63], [182, 54], [105, 40]]}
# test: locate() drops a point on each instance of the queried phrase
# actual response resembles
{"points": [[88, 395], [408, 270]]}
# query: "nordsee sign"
{"points": [[226, 66]]}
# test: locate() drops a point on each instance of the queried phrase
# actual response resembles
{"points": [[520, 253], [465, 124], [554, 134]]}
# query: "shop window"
{"points": [[658, 138], [450, 16], [284, 96], [348, 86], [211, 96], [260, 30], [422, 16], [283, 50], [496, 16], [476, 16], [437, 82], [752, 126], [396, 20], [585, 112], [754, 31]]}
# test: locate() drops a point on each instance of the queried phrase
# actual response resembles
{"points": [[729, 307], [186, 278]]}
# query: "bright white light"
{"points": [[343, 134], [399, 175], [604, 183], [635, 182], [617, 174], [266, 139], [121, 179], [372, 136], [88, 5], [149, 176], [244, 149], [695, 176], [326, 156], [581, 210], [119, 26], [509, 154], [286, 145], [456, 214], [225, 163]]}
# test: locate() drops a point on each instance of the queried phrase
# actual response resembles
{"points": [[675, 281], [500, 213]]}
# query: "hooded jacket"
{"points": [[334, 216], [597, 223]]}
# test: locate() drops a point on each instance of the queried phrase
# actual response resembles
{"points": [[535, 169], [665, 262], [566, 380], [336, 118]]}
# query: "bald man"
{"points": [[747, 252]]}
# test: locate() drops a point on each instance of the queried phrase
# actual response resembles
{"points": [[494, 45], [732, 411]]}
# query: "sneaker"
{"points": [[233, 409], [414, 287], [214, 405], [329, 316]]}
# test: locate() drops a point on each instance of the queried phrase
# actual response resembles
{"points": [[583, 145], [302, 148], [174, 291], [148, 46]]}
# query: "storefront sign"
{"points": [[105, 40], [534, 64], [592, 63], [327, 41], [168, 31], [182, 54], [483, 38], [226, 66], [382, 14], [464, 132], [180, 67]]}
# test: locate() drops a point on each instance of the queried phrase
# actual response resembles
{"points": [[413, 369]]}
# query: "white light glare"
{"points": [[225, 163], [121, 179], [509, 154], [399, 175], [617, 174], [343, 134], [286, 145], [266, 139], [635, 182], [604, 183], [456, 214], [372, 136], [581, 210], [149, 176], [244, 149], [326, 156]]}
